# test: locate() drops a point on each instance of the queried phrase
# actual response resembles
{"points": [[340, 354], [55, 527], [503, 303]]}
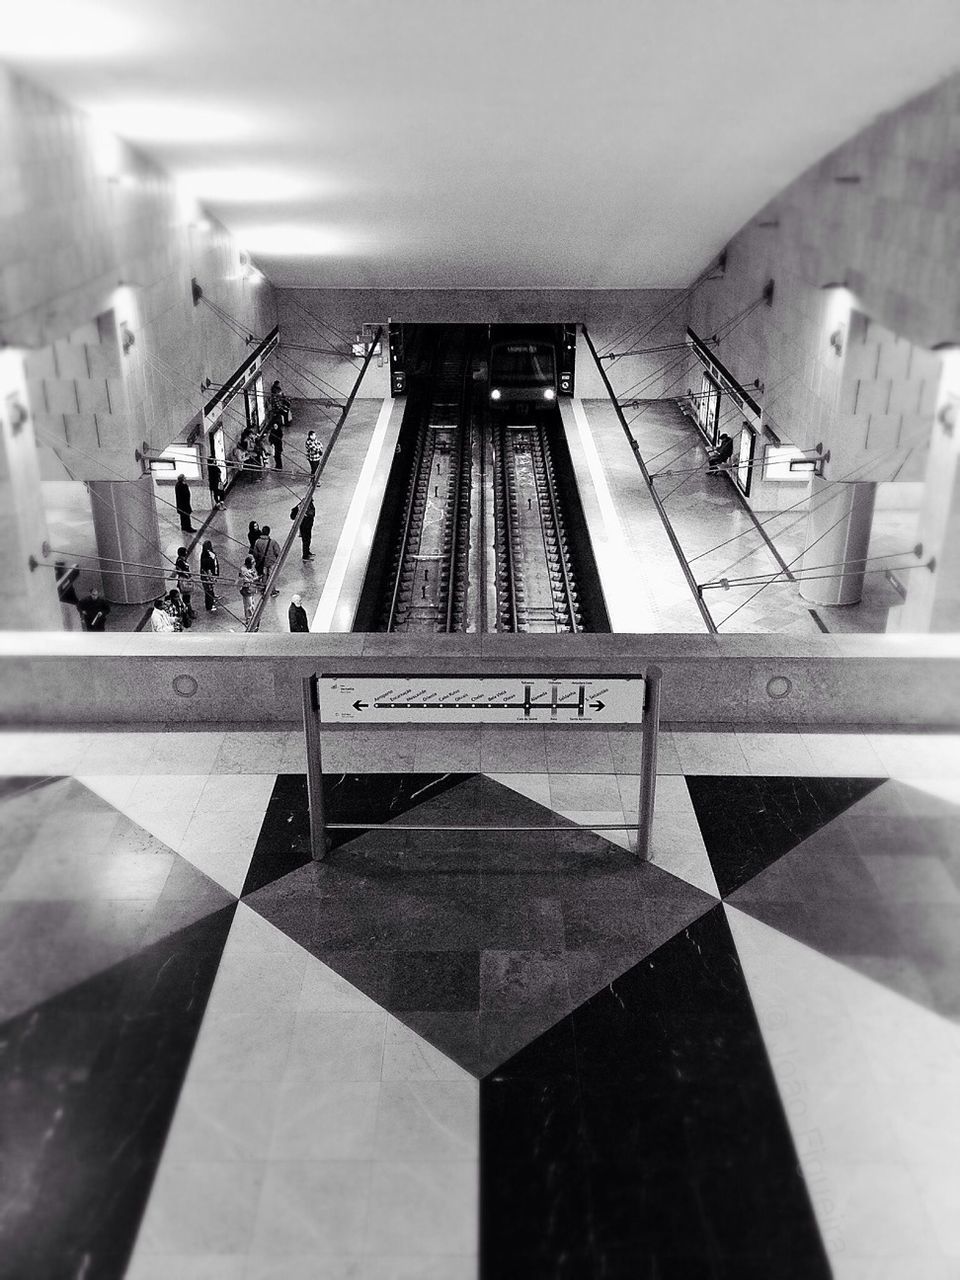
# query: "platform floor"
{"points": [[719, 538], [738, 1060]]}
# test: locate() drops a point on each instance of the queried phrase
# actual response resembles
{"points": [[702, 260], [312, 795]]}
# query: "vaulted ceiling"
{"points": [[484, 143]]}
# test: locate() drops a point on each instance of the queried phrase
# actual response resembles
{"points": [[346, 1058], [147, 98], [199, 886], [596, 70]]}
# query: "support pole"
{"points": [[648, 762], [311, 733]]}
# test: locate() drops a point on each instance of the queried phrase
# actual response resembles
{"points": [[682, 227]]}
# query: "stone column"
{"points": [[933, 599], [128, 539], [838, 537], [28, 597]]}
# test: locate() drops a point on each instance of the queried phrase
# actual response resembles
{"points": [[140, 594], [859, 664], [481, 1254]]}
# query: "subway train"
{"points": [[522, 371]]}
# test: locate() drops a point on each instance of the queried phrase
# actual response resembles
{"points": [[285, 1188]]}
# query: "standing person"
{"points": [[276, 439], [247, 582], [215, 481], [178, 610], [209, 573], [297, 615], [253, 533], [93, 610], [160, 619], [266, 553], [314, 448], [306, 527], [184, 509], [184, 577], [279, 404]]}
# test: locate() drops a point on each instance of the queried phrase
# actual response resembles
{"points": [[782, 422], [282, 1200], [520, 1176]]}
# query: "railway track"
{"points": [[430, 569], [535, 585], [482, 542]]}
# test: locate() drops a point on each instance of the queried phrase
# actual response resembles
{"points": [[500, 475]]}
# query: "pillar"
{"points": [[838, 538], [933, 598], [128, 539], [28, 596]]}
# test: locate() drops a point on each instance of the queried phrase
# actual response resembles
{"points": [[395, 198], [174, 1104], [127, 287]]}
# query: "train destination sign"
{"points": [[480, 700]]}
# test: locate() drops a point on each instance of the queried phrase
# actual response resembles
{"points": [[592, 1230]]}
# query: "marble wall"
{"points": [[98, 246], [876, 215]]}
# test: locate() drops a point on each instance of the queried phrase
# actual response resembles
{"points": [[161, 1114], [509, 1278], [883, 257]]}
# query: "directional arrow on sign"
{"points": [[359, 706]]}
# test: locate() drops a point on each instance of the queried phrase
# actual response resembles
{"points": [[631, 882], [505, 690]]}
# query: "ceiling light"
{"points": [[245, 185], [68, 30], [289, 241], [165, 122]]}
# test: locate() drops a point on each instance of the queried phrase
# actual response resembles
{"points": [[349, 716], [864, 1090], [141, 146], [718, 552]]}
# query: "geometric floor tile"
{"points": [[868, 1080], [750, 822], [83, 888], [878, 888], [89, 1080], [477, 941], [643, 1135], [283, 843], [315, 1135]]}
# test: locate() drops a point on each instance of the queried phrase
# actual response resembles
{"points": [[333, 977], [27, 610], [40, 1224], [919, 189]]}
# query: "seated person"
{"points": [[721, 454]]}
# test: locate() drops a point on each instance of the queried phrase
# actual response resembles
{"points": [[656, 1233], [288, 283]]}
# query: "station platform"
{"points": [[643, 584]]}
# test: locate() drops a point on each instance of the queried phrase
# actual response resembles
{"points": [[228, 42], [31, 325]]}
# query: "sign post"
{"points": [[501, 699], [311, 730], [648, 762]]}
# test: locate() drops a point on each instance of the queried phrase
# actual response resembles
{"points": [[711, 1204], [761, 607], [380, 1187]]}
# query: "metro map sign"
{"points": [[480, 700]]}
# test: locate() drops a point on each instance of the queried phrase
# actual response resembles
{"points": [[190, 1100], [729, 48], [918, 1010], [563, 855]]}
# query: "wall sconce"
{"points": [[127, 340], [836, 342], [17, 412]]}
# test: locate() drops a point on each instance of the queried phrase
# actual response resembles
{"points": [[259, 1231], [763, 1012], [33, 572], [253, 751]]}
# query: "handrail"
{"points": [[254, 623], [678, 550]]}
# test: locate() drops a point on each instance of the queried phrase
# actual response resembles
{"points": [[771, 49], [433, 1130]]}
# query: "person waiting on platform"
{"points": [[276, 440], [182, 618], [248, 580], [209, 573], [93, 611], [297, 615], [306, 527], [280, 405], [181, 491], [183, 575], [720, 455], [215, 481], [266, 553], [314, 450], [160, 618]]}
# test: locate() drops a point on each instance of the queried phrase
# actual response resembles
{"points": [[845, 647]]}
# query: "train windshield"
{"points": [[523, 364]]}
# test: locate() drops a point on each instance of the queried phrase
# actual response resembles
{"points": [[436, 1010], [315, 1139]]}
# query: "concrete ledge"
{"points": [[53, 678]]}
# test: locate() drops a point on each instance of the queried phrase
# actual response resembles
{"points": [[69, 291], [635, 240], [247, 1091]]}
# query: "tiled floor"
{"points": [[218, 1059]]}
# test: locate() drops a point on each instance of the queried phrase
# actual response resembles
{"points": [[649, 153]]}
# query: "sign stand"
{"points": [[311, 729], [404, 706]]}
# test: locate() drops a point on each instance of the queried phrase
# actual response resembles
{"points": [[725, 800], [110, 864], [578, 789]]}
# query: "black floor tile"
{"points": [[284, 841], [90, 1100], [477, 921], [446, 981], [670, 1133], [748, 823]]}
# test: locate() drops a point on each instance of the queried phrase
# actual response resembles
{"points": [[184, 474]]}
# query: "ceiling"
{"points": [[484, 143]]}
